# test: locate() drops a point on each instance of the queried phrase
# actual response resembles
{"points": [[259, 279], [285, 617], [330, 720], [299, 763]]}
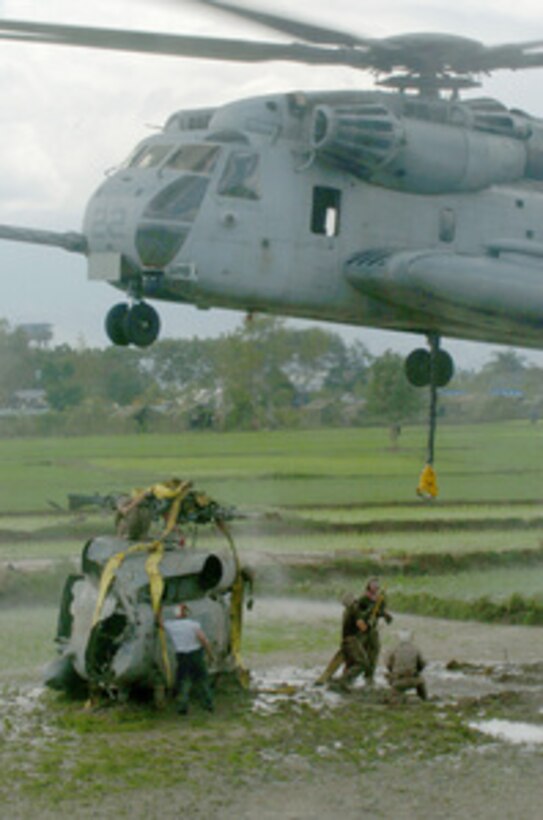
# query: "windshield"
{"points": [[240, 176], [198, 158], [180, 200], [149, 155]]}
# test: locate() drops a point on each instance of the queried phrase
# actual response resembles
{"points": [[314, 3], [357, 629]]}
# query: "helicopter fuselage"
{"points": [[350, 207]]}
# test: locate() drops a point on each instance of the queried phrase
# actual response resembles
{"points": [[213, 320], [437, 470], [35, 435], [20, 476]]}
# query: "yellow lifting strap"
{"points": [[427, 486], [236, 610], [174, 491], [156, 584], [374, 614], [335, 662], [108, 575]]}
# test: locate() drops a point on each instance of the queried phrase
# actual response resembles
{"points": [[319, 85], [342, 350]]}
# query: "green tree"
{"points": [[58, 379], [256, 391], [176, 364], [18, 366], [389, 395]]}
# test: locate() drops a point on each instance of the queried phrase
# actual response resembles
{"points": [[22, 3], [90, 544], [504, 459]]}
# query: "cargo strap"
{"points": [[156, 584], [175, 493], [236, 610]]}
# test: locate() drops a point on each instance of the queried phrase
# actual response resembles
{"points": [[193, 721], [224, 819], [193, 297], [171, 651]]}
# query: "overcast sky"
{"points": [[67, 115]]}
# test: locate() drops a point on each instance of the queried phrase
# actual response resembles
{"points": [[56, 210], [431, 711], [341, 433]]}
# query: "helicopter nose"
{"points": [[167, 219], [107, 220]]}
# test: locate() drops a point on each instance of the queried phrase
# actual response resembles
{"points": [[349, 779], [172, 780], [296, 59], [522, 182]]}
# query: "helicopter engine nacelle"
{"points": [[411, 155]]}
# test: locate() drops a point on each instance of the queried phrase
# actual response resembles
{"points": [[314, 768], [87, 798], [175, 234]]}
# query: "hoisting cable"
{"points": [[427, 486]]}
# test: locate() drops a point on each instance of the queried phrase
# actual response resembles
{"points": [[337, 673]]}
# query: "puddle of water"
{"points": [[23, 715], [510, 731], [279, 685], [293, 685]]}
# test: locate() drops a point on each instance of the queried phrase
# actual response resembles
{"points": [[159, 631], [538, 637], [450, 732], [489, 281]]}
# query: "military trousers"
{"points": [[192, 669]]}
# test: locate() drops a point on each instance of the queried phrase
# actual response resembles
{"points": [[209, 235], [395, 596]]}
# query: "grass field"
{"points": [[329, 495], [26, 643], [482, 463]]}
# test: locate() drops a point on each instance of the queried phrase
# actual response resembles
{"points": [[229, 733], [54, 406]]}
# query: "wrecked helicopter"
{"points": [[111, 639]]}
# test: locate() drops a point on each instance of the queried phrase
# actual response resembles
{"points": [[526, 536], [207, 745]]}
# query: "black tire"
{"points": [[141, 325], [444, 368], [417, 368], [114, 324]]}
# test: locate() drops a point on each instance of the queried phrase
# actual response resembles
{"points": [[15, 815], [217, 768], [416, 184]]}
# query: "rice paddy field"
{"points": [[323, 509]]}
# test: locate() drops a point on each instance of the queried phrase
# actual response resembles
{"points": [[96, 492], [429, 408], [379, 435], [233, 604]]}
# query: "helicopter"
{"points": [[408, 207]]}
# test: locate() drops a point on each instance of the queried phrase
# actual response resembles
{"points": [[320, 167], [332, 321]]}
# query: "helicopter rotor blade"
{"points": [[428, 53], [179, 45], [512, 56], [300, 29], [447, 52]]}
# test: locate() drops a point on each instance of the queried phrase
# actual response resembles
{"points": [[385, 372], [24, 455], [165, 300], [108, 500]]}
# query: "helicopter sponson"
{"points": [[109, 636]]}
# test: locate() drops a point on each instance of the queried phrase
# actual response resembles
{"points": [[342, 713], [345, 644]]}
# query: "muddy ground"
{"points": [[491, 675], [502, 778]]}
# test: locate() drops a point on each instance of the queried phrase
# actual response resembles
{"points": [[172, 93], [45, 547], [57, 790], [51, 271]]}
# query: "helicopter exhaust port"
{"points": [[138, 324], [402, 153]]}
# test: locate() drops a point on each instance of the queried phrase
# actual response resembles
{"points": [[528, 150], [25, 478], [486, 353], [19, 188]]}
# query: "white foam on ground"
{"points": [[510, 731], [291, 684]]}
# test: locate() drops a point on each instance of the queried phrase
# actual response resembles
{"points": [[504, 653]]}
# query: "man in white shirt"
{"points": [[190, 643]]}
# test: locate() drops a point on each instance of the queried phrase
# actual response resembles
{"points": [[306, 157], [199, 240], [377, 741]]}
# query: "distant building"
{"points": [[26, 403]]}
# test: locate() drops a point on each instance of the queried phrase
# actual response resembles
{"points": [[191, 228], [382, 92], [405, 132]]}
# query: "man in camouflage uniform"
{"points": [[404, 667], [360, 644], [336, 661]]}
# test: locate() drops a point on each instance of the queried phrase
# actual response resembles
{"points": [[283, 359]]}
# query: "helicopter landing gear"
{"points": [[115, 324], [138, 325], [422, 370], [433, 369]]}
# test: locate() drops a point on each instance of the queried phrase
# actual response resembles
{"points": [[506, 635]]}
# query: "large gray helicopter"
{"points": [[407, 208]]}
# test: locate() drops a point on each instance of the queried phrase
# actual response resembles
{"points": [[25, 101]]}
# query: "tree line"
{"points": [[265, 374]]}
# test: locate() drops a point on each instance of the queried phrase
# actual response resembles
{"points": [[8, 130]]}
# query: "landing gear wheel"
{"points": [[444, 368], [141, 325], [114, 324], [418, 367]]}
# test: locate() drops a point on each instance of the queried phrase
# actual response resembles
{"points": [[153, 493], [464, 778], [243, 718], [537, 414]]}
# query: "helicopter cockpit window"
{"points": [[240, 176], [180, 200], [325, 212], [198, 158], [149, 156]]}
